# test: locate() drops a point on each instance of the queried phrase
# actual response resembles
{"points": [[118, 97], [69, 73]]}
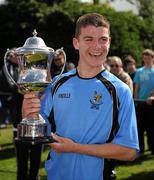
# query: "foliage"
{"points": [[55, 23], [18, 21], [58, 30], [125, 31], [145, 7]]}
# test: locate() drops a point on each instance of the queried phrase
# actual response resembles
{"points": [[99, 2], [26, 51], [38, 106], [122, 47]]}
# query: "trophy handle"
{"points": [[57, 52], [8, 76]]}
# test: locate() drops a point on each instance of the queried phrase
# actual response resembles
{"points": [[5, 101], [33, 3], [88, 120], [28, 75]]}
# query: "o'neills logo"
{"points": [[64, 95]]}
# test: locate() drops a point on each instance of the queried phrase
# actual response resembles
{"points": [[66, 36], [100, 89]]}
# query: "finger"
{"points": [[57, 138], [30, 106], [32, 116], [35, 103], [30, 95], [33, 110], [31, 102], [54, 146], [30, 113]]}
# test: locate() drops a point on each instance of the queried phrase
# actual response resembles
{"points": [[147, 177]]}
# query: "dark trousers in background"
{"points": [[145, 122], [28, 155]]}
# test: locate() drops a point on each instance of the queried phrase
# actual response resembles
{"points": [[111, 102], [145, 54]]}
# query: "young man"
{"points": [[144, 90], [82, 104]]}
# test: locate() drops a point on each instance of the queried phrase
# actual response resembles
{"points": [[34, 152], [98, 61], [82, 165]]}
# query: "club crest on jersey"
{"points": [[96, 101]]}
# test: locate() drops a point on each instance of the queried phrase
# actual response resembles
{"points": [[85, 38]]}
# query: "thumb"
{"points": [[55, 137]]}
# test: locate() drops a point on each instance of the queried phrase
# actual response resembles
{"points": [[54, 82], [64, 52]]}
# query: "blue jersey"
{"points": [[83, 112], [144, 77]]}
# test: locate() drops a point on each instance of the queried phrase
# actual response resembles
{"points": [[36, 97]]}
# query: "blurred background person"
{"points": [[69, 66], [116, 67], [26, 154], [58, 64], [6, 90], [129, 65], [144, 88]]}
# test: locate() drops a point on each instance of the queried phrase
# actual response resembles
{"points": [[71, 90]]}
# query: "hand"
{"points": [[31, 105], [149, 100], [63, 145]]}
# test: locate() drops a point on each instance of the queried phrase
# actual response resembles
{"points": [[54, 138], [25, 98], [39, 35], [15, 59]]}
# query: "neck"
{"points": [[89, 72], [149, 65]]}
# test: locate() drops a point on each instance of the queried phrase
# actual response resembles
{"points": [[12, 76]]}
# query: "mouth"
{"points": [[95, 54]]}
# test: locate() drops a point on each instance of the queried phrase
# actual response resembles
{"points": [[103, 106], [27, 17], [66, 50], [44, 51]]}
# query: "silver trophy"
{"points": [[33, 62]]}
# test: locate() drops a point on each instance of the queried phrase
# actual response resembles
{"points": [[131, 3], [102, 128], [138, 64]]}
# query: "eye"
{"points": [[104, 39], [88, 39]]}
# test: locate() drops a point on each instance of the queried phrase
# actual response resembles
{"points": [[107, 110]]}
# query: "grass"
{"points": [[140, 169], [7, 156]]}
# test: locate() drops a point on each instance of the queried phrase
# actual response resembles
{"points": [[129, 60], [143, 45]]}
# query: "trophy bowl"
{"points": [[33, 61]]}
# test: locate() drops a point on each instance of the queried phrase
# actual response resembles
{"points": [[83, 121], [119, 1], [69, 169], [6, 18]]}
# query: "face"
{"points": [[148, 60], [131, 67], [115, 67], [93, 45], [59, 60], [13, 58]]}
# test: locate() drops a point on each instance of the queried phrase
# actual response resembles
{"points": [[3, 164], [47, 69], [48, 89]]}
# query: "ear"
{"points": [[76, 43]]}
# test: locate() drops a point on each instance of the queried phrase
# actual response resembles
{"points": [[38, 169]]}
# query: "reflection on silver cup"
{"points": [[34, 61], [32, 80]]}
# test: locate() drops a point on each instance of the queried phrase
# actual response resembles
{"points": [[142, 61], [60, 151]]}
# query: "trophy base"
{"points": [[34, 141]]}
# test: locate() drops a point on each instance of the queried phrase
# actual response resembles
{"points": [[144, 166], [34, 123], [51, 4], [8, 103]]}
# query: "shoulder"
{"points": [[124, 76], [121, 87], [113, 79], [64, 75], [70, 73], [60, 80], [139, 70]]}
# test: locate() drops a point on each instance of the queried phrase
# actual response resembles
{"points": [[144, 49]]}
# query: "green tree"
{"points": [[125, 32], [125, 28], [19, 18], [146, 11], [145, 8], [55, 24]]}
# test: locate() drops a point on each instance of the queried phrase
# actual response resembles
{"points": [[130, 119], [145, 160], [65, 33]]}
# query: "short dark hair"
{"points": [[128, 59], [93, 19]]}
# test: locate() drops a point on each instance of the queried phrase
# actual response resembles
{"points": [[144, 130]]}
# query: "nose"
{"points": [[96, 44]]}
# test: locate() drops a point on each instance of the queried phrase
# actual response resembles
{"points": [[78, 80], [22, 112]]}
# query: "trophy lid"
{"points": [[34, 44]]}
